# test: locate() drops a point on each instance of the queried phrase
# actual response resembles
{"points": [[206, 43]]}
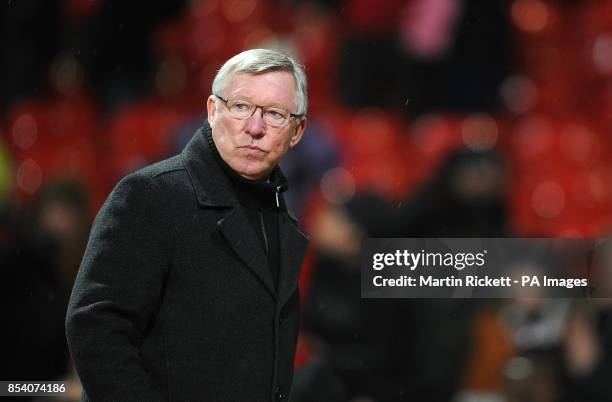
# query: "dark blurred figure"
{"points": [[380, 350], [349, 337], [37, 269], [431, 56], [536, 327], [467, 197], [115, 48], [29, 39], [305, 167], [396, 350], [563, 350], [587, 352]]}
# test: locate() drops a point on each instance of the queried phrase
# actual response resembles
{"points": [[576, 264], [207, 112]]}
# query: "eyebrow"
{"points": [[244, 98]]}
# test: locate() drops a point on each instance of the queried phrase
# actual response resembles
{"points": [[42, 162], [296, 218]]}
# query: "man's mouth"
{"points": [[253, 148]]}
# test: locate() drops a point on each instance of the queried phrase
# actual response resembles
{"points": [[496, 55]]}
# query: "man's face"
{"points": [[250, 147]]}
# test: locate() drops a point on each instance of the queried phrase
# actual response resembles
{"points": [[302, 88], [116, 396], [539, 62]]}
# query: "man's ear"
{"points": [[299, 132], [211, 107]]}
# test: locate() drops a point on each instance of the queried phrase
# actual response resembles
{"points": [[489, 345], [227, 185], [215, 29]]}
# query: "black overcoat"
{"points": [[174, 300]]}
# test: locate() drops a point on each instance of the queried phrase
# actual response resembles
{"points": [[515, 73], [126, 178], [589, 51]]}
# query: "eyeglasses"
{"points": [[243, 109]]}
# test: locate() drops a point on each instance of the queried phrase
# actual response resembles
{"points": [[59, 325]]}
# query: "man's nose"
{"points": [[255, 125]]}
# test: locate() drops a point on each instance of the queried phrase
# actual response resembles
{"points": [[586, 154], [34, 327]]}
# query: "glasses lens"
{"points": [[275, 117], [240, 109]]}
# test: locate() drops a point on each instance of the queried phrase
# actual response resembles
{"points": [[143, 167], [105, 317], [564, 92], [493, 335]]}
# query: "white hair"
{"points": [[257, 61]]}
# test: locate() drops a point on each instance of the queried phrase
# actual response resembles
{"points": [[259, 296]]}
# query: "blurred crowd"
{"points": [[427, 118]]}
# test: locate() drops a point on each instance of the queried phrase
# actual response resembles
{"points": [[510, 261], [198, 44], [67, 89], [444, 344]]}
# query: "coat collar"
{"points": [[213, 188]]}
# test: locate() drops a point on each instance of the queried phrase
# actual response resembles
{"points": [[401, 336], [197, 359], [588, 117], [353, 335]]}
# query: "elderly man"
{"points": [[188, 287]]}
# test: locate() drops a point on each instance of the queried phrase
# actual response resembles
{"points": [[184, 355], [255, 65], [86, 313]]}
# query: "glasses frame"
{"points": [[225, 101]]}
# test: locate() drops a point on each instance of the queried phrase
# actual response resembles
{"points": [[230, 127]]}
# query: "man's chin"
{"points": [[253, 174]]}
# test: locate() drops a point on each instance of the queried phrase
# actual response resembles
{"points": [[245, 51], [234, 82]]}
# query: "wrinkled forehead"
{"points": [[268, 88]]}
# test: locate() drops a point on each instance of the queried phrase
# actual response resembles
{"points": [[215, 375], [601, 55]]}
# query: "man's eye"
{"points": [[241, 106], [275, 114]]}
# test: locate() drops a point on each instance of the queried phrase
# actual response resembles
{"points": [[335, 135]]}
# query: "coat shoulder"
{"points": [[166, 166], [168, 175], [170, 181]]}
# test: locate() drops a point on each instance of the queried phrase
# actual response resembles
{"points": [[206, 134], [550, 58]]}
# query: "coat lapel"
{"points": [[293, 249], [214, 190], [239, 235]]}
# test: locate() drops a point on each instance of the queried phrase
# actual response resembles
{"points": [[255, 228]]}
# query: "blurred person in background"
{"points": [[423, 56], [562, 351], [396, 350], [536, 328], [533, 348], [188, 287], [347, 337], [116, 50], [37, 270], [29, 39], [62, 214], [587, 342], [467, 197]]}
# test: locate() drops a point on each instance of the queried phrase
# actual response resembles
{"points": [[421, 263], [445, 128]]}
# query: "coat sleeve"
{"points": [[117, 293]]}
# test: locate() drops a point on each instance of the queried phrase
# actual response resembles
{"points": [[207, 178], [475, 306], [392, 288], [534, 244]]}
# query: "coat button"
{"points": [[278, 394]]}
